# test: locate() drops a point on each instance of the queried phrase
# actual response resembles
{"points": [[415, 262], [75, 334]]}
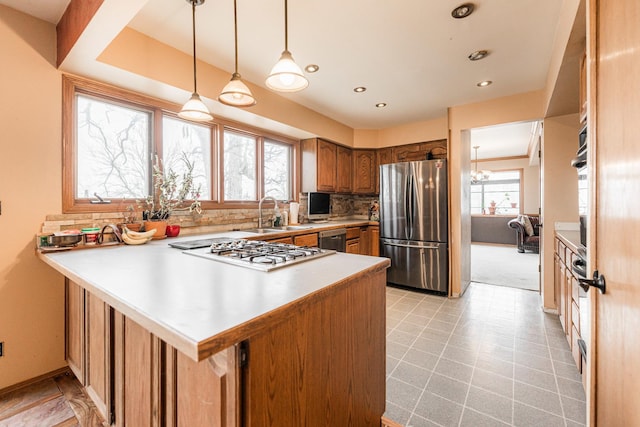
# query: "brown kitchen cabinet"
{"points": [[75, 329], [364, 171], [384, 156], [319, 165], [353, 240], [259, 381], [568, 296], [288, 240], [343, 170], [306, 240], [99, 373], [364, 241], [374, 240], [436, 149], [88, 345]]}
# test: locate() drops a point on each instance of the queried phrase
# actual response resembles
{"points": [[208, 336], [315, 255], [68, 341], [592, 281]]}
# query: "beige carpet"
{"points": [[504, 266]]}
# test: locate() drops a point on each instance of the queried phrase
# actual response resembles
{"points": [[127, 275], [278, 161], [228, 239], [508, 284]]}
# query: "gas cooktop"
{"points": [[259, 255]]}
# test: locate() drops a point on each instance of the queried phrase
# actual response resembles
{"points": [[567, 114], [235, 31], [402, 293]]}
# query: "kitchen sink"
{"points": [[263, 230]]}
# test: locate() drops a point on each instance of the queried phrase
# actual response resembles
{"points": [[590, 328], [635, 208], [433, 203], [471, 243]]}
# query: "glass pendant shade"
{"points": [[479, 175], [194, 109], [286, 76], [236, 93]]}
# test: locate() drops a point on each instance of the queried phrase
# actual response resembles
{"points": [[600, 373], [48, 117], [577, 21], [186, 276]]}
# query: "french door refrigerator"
{"points": [[414, 223]]}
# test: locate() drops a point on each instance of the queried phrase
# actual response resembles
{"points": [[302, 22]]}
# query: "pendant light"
{"points": [[236, 93], [286, 76], [476, 175], [194, 109]]}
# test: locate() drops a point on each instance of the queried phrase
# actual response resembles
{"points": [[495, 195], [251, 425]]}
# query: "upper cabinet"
{"points": [[420, 151], [343, 170], [364, 171], [319, 164], [332, 168]]}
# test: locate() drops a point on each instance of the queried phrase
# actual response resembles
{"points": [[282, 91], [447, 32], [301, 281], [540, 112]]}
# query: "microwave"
{"points": [[581, 164]]}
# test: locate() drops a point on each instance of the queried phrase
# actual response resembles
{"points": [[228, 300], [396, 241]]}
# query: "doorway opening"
{"points": [[505, 193]]}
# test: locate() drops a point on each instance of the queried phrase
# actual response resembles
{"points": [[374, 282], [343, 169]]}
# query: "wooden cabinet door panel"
{"points": [[287, 240], [306, 240], [75, 329], [137, 374], [375, 240], [207, 392], [364, 171], [365, 246], [353, 246], [343, 170], [326, 166], [98, 354]]}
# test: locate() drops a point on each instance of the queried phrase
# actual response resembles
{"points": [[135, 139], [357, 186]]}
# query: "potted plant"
{"points": [[172, 192], [131, 219]]}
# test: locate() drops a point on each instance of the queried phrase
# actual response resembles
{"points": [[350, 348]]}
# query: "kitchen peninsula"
{"points": [[158, 337]]}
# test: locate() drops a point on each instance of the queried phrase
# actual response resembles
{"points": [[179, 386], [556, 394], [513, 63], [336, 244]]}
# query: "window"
{"points": [[502, 188], [239, 167], [277, 170], [112, 137], [182, 139], [113, 146], [244, 155]]}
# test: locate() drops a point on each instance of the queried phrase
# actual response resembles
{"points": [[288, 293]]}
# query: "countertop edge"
{"points": [[243, 331]]}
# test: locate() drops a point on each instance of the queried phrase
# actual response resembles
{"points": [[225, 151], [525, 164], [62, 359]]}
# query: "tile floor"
{"points": [[490, 358]]}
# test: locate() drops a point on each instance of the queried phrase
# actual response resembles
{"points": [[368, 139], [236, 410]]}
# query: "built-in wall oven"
{"points": [[580, 163], [579, 266]]}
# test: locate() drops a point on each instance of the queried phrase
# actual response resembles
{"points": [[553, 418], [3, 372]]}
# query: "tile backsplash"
{"points": [[210, 221]]}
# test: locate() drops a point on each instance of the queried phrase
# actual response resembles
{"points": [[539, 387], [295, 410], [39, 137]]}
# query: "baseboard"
{"points": [[550, 310], [34, 380]]}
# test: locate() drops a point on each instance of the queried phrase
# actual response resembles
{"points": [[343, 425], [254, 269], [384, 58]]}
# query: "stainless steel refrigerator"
{"points": [[414, 223]]}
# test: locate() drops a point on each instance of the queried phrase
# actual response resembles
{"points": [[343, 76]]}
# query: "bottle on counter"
{"points": [[285, 218], [277, 222]]}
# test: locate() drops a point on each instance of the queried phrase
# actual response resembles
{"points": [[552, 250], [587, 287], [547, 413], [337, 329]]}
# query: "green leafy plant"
{"points": [[172, 192]]}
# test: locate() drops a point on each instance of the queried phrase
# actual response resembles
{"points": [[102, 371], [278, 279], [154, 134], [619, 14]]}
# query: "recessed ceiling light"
{"points": [[462, 11], [381, 104], [311, 68], [478, 54], [359, 89], [484, 83]]}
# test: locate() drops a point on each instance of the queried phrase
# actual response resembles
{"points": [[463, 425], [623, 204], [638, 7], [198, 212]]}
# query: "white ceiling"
{"points": [[508, 140], [410, 54]]}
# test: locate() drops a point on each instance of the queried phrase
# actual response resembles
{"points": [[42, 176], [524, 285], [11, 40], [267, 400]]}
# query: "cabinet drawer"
{"points": [[353, 233], [575, 348], [287, 240], [575, 316], [306, 240]]}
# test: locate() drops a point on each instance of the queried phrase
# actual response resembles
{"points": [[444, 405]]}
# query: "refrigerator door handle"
{"points": [[405, 245], [407, 206]]}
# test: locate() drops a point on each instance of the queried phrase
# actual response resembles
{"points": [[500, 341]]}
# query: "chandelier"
{"points": [[478, 175]]}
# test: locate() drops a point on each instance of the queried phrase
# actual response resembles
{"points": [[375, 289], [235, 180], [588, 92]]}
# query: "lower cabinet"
{"points": [[353, 240], [568, 297], [374, 240], [135, 379], [303, 368], [306, 240]]}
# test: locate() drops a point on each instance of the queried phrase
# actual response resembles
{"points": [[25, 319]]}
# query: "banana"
{"points": [[127, 239], [139, 235]]}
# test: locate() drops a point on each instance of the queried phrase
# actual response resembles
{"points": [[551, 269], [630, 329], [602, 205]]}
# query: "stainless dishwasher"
{"points": [[333, 239]]}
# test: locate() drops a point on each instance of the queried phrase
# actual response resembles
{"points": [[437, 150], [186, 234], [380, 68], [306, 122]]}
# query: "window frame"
{"points": [[72, 85]]}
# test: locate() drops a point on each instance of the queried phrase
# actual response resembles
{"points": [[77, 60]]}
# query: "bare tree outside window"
{"points": [[277, 170], [239, 167], [113, 146], [182, 139]]}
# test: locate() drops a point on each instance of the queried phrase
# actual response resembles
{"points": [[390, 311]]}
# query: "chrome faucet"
{"points": [[275, 205]]}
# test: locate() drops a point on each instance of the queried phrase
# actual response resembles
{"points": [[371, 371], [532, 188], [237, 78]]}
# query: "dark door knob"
{"points": [[597, 282]]}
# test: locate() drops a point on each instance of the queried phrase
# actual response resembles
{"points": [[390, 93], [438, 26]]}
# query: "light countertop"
{"points": [[201, 306]]}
